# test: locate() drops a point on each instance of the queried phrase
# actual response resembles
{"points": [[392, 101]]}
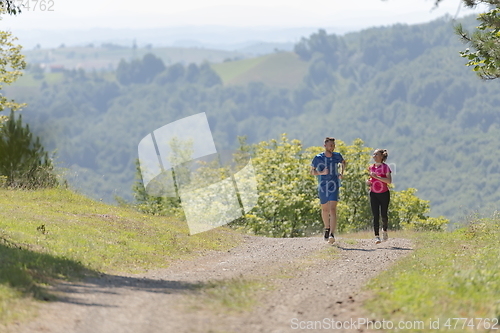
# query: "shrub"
{"points": [[23, 161]]}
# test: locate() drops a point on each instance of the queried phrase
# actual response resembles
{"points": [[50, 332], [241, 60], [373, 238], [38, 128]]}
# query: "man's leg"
{"points": [[333, 216], [324, 216], [325, 212], [323, 199]]}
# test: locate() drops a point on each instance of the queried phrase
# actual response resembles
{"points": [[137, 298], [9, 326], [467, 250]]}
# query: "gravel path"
{"points": [[311, 280]]}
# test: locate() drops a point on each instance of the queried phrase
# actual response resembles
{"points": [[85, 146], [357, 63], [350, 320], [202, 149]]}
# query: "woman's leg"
{"points": [[375, 205], [384, 199]]}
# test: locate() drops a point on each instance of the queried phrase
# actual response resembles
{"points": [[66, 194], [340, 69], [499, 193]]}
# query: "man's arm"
{"points": [[342, 168], [315, 172]]}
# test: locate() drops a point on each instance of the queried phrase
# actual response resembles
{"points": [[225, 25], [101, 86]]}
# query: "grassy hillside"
{"points": [[56, 234], [450, 283], [281, 70], [28, 85]]}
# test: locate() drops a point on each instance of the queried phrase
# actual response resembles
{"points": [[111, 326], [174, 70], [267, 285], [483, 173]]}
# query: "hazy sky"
{"points": [[73, 14]]}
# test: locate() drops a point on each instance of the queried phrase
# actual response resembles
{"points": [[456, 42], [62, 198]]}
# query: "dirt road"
{"points": [[306, 281]]}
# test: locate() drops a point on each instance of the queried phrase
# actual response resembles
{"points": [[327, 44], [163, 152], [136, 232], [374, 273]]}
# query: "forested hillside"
{"points": [[404, 88]]}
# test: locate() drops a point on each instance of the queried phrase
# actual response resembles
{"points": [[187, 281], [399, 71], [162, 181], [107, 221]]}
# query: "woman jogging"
{"points": [[380, 176]]}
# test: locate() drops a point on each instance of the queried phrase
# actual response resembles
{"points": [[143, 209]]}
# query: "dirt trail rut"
{"points": [[310, 283]]}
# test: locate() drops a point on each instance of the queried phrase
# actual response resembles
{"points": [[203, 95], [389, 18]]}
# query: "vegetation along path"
{"points": [[262, 285]]}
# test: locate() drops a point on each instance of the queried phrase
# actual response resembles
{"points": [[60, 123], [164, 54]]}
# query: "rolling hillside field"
{"points": [[280, 70]]}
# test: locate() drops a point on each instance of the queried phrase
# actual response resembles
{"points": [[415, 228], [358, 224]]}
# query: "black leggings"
{"points": [[380, 206]]}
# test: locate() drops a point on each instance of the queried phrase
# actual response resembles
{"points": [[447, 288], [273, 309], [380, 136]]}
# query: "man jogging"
{"points": [[325, 166]]}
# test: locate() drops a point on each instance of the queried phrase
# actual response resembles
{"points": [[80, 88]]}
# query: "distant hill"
{"points": [[263, 48], [278, 69], [209, 37], [107, 56], [281, 70]]}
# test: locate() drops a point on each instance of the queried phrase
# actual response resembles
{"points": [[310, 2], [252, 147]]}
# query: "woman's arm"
{"points": [[387, 179]]}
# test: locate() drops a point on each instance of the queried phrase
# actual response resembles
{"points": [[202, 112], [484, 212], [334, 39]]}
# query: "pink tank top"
{"points": [[381, 170]]}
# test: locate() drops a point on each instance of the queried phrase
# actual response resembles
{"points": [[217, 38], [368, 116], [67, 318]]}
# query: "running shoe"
{"points": [[377, 240], [385, 236], [331, 239], [327, 233]]}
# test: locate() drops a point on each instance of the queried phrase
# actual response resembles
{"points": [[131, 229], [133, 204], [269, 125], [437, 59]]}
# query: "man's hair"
{"points": [[329, 138]]}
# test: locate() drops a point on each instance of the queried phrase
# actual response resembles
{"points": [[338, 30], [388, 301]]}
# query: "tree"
{"points": [[151, 204], [408, 212], [11, 61], [151, 66], [484, 57], [330, 47], [23, 161], [9, 7], [354, 212], [161, 196], [139, 71], [173, 74], [287, 205]]}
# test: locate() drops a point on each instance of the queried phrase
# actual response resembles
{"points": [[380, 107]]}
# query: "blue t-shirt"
{"points": [[320, 162]]}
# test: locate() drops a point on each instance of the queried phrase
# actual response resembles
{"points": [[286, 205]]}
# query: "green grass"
{"points": [[229, 71], [28, 81], [449, 275], [27, 85], [56, 234], [282, 70], [368, 234], [328, 253]]}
